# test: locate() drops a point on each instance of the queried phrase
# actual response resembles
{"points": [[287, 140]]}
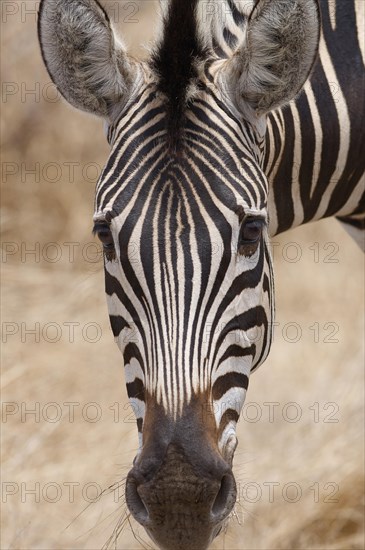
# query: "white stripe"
{"points": [[232, 399], [295, 187]]}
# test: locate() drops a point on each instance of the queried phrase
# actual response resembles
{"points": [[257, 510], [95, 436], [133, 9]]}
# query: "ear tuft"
{"points": [[78, 46], [272, 64]]}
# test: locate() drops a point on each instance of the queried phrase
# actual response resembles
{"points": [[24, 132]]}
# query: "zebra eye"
{"points": [[102, 230], [250, 235]]}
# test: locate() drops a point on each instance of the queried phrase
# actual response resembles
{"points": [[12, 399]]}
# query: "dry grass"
{"points": [[316, 458]]}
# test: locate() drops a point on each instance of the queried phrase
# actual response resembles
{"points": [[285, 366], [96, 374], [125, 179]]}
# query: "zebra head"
{"points": [[181, 210]]}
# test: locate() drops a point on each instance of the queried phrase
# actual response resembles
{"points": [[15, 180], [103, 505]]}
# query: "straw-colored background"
{"points": [[317, 459]]}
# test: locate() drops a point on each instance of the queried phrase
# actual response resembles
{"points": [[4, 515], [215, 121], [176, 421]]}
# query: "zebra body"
{"points": [[314, 146], [205, 165], [317, 143]]}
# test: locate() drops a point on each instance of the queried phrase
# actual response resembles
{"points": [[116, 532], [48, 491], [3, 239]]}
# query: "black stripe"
{"points": [[231, 39], [135, 389], [330, 139], [282, 194], [217, 49], [238, 17], [358, 223], [132, 352], [117, 323], [228, 381]]}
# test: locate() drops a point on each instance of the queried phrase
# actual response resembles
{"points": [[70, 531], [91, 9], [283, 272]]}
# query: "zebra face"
{"points": [[189, 287], [181, 210], [187, 265]]}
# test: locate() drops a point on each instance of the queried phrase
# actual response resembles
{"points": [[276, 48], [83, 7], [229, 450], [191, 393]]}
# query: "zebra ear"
{"points": [[275, 58], [79, 49]]}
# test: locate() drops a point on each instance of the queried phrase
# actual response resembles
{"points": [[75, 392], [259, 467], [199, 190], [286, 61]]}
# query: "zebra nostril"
{"points": [[135, 503], [225, 498]]}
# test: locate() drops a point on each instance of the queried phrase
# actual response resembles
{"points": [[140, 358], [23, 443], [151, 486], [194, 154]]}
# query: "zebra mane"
{"points": [[175, 61], [193, 31]]}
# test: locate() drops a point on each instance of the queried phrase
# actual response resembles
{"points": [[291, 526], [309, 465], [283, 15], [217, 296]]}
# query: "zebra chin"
{"points": [[181, 489]]}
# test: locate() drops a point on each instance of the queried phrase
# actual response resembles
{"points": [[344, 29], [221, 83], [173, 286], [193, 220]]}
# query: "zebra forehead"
{"points": [[192, 187], [217, 160]]}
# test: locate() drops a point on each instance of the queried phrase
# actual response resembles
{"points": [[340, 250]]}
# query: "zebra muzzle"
{"points": [[182, 504]]}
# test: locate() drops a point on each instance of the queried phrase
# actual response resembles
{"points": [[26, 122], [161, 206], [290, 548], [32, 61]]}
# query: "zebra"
{"points": [[230, 133]]}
